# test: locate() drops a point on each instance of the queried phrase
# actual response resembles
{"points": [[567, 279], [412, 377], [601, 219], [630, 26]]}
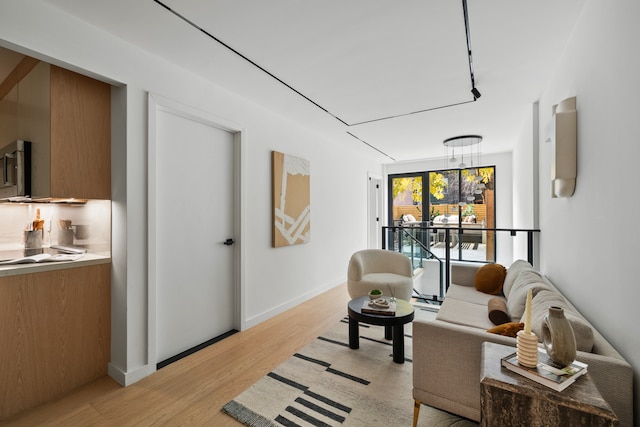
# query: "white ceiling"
{"points": [[361, 60]]}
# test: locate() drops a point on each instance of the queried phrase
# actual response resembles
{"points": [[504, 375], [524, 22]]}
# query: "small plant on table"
{"points": [[375, 294]]}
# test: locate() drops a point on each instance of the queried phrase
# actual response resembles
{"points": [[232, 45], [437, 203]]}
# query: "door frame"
{"points": [[375, 212], [158, 103]]}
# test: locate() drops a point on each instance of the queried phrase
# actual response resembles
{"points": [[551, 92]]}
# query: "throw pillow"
{"points": [[498, 311], [489, 278], [507, 329]]}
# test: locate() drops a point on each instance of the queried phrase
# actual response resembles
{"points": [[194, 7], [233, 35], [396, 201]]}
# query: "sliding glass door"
{"points": [[464, 200], [460, 199]]}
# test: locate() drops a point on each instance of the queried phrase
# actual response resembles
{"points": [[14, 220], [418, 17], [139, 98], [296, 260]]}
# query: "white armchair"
{"points": [[389, 271]]}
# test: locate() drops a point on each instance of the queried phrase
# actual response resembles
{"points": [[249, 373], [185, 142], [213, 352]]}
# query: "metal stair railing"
{"points": [[418, 252], [396, 233]]}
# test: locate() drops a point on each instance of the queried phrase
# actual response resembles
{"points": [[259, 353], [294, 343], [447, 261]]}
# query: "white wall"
{"points": [[525, 186], [589, 242], [503, 186], [273, 279]]}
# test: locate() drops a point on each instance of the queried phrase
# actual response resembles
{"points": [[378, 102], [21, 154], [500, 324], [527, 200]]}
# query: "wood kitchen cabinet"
{"points": [[80, 136], [67, 117], [54, 334]]}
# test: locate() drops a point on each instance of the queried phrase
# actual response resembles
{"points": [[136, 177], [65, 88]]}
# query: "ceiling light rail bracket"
{"points": [[465, 10]]}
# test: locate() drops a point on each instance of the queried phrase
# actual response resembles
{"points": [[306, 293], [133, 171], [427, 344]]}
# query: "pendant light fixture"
{"points": [[462, 142], [462, 164], [453, 156]]}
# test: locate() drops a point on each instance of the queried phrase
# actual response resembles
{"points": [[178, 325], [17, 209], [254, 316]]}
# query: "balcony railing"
{"points": [[421, 242]]}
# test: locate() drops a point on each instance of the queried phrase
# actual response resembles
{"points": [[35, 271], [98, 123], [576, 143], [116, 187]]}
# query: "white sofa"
{"points": [[447, 350]]}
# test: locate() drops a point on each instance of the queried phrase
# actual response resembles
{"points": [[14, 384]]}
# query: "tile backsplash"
{"points": [[91, 223]]}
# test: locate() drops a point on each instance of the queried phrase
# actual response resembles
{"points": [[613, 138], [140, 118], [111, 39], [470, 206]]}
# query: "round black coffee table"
{"points": [[393, 325]]}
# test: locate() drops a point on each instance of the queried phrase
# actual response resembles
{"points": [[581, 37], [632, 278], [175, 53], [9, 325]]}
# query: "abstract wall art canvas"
{"points": [[291, 200]]}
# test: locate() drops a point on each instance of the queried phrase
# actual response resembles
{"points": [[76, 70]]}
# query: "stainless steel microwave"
{"points": [[15, 170]]}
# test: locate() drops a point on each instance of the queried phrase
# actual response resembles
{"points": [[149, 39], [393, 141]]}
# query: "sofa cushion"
{"points": [[408, 218], [489, 278], [512, 273], [509, 329], [540, 307], [464, 313], [469, 294], [498, 311], [518, 294]]}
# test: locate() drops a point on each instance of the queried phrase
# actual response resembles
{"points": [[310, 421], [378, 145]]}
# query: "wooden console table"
{"points": [[508, 399]]}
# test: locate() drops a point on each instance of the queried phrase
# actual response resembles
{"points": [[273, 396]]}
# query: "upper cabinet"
{"points": [[80, 136], [67, 118]]}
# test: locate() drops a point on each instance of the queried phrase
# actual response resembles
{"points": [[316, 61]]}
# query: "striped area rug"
{"points": [[328, 384]]}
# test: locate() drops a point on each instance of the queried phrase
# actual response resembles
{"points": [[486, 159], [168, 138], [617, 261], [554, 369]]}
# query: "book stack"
{"points": [[547, 372], [379, 306]]}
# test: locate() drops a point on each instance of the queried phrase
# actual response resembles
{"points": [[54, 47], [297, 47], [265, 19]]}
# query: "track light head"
{"points": [[476, 93]]}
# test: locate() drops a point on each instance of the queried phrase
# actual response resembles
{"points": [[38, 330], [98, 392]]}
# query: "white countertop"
{"points": [[85, 260]]}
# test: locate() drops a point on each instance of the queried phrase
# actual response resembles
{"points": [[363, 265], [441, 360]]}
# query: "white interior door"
{"points": [[194, 202]]}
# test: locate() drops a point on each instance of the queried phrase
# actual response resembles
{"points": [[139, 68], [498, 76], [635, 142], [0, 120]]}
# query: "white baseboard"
{"points": [[128, 378], [265, 315]]}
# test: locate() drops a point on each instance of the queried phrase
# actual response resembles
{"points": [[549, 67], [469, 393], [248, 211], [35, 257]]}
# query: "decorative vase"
{"points": [[558, 337]]}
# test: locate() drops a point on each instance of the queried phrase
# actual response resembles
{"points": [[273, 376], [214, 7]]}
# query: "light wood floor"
{"points": [[191, 391]]}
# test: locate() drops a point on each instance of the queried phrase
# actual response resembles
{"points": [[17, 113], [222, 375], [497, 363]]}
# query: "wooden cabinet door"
{"points": [[55, 334], [80, 136]]}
